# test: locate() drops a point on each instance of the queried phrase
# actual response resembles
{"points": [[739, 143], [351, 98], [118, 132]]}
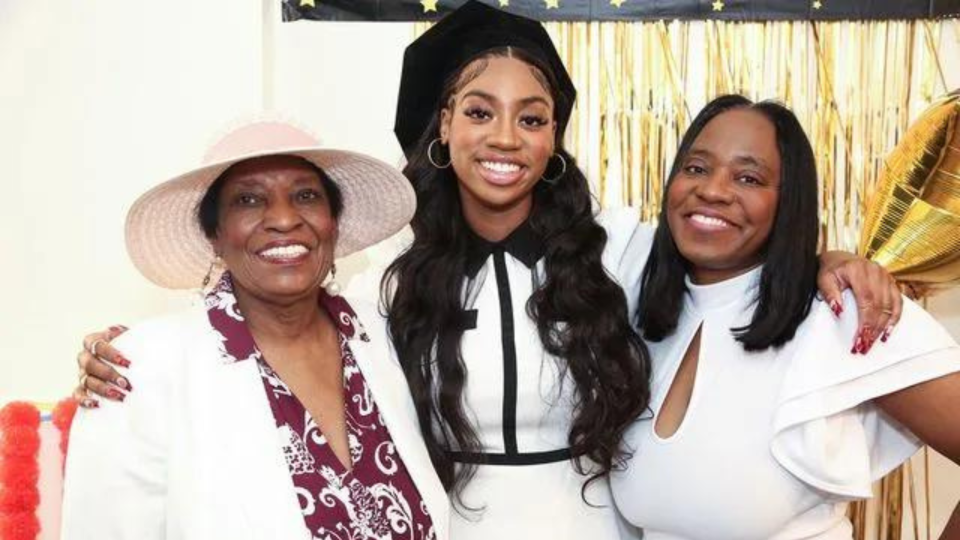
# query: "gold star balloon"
{"points": [[912, 225]]}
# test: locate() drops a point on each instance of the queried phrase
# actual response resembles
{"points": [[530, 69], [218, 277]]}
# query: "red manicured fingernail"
{"points": [[886, 334], [857, 345], [836, 307], [122, 382], [122, 361], [115, 395]]}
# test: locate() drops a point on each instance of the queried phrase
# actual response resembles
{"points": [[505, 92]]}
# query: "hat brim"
{"points": [[166, 244]]}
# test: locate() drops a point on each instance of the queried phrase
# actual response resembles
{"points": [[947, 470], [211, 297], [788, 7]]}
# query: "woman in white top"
{"points": [[764, 422]]}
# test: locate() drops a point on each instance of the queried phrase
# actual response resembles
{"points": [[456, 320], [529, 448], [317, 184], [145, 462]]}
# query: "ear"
{"points": [[446, 116], [215, 245]]}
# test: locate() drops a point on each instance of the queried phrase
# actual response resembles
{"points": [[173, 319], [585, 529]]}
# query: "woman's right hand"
{"points": [[97, 375]]}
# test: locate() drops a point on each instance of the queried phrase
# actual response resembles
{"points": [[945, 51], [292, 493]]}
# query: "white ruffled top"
{"points": [[773, 443]]}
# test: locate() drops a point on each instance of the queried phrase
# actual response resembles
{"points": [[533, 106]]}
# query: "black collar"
{"points": [[524, 244]]}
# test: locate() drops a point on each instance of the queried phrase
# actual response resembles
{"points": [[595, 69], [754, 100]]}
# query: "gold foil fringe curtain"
{"points": [[855, 86]]}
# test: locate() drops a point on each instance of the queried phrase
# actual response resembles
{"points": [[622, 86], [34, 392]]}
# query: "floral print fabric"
{"points": [[375, 499]]}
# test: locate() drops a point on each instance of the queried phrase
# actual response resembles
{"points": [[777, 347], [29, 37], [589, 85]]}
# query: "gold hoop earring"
{"points": [[563, 171], [430, 155]]}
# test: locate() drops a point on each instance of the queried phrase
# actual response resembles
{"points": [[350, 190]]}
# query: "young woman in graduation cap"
{"points": [[507, 312]]}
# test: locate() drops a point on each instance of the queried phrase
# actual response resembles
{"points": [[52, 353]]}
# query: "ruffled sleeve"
{"points": [[628, 247], [827, 432]]}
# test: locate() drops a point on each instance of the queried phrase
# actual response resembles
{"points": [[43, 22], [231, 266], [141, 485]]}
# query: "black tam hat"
{"points": [[457, 39]]}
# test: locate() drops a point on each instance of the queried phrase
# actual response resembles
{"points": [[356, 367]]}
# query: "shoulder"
{"points": [[629, 241], [163, 332], [156, 346], [917, 329]]}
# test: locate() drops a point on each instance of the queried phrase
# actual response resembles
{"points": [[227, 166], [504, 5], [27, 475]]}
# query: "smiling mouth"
{"points": [[709, 223], [288, 253], [501, 172], [500, 167]]}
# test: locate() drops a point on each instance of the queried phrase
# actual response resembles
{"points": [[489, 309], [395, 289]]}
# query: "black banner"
{"points": [[629, 10]]}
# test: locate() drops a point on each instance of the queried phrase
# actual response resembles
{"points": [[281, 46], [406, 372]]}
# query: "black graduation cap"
{"points": [[458, 38]]}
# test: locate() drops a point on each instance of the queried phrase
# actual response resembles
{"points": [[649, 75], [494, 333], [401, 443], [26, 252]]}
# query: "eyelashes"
{"points": [[527, 120]]}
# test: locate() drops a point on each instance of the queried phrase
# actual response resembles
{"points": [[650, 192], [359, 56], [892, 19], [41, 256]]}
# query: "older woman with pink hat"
{"points": [[274, 409]]}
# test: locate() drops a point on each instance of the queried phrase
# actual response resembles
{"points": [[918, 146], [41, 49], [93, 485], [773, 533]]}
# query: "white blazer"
{"points": [[193, 452]]}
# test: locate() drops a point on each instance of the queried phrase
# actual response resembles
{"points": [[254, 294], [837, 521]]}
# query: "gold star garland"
{"points": [[428, 5], [310, 3]]}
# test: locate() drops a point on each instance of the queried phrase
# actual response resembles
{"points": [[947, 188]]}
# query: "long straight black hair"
{"points": [[788, 281], [580, 312]]}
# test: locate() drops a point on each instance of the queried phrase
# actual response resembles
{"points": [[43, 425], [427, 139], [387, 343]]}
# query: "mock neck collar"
{"points": [[739, 289]]}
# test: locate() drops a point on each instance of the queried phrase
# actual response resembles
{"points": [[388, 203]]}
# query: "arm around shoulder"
{"points": [[115, 476]]}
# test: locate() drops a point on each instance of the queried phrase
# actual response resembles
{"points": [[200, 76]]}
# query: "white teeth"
{"points": [[284, 252], [711, 221], [500, 167]]}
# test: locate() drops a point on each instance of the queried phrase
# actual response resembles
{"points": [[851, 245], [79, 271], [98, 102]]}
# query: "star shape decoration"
{"points": [[428, 5], [617, 3], [817, 4], [504, 3], [552, 4], [718, 5], [310, 3]]}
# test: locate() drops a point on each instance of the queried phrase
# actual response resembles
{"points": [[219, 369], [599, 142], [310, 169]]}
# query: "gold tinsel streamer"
{"points": [[855, 86]]}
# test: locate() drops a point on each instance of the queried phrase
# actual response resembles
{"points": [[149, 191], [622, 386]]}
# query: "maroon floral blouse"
{"points": [[376, 499]]}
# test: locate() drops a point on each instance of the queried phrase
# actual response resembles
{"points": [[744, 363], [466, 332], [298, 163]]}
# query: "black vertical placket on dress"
{"points": [[526, 246], [509, 353]]}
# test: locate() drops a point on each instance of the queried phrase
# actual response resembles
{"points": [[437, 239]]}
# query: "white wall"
{"points": [[99, 100]]}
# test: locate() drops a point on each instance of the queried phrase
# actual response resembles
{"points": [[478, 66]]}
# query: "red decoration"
{"points": [[19, 526], [20, 441], [14, 500], [62, 419], [19, 471], [19, 414]]}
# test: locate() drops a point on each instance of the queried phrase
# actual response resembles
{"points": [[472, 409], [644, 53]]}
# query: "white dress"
{"points": [[773, 443], [519, 407]]}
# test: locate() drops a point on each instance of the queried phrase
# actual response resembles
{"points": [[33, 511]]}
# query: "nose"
{"points": [[505, 135], [281, 215], [716, 187]]}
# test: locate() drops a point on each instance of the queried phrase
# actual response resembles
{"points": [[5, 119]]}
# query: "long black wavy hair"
{"points": [[788, 281], [580, 312]]}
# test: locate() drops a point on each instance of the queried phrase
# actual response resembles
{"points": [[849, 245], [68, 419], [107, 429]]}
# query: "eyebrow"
{"points": [[490, 97], [743, 159]]}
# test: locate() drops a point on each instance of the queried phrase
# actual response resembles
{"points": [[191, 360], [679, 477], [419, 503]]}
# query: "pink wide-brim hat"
{"points": [[163, 234]]}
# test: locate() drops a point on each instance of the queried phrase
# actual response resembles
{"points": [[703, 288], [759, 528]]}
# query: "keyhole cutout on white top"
{"points": [[677, 402]]}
